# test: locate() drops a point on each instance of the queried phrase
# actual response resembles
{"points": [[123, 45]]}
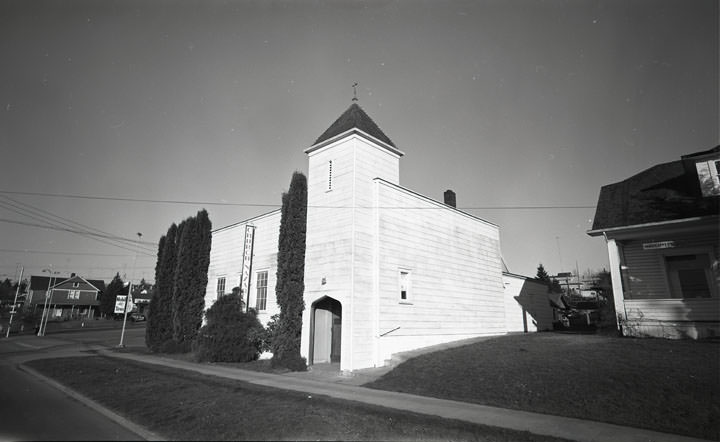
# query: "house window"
{"points": [[404, 285], [220, 287], [689, 276], [76, 284], [330, 176], [709, 175], [261, 287], [73, 294]]}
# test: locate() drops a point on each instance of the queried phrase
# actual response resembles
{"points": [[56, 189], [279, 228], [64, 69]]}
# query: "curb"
{"points": [[131, 426]]}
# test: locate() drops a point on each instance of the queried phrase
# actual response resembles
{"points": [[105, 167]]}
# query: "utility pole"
{"points": [[48, 297], [129, 295], [12, 312]]}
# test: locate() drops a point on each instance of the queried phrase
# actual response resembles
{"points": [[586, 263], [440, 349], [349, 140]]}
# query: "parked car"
{"points": [[137, 317]]}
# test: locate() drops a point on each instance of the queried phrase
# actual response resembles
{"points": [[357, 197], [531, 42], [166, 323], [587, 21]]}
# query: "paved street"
{"points": [[34, 410]]}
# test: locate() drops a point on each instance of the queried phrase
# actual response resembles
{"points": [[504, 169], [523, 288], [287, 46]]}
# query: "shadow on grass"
{"points": [[663, 385]]}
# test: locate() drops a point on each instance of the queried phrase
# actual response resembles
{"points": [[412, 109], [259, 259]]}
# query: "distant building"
{"points": [[662, 232], [66, 297], [386, 269]]}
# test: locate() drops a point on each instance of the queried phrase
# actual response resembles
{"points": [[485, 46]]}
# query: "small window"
{"points": [[220, 287], [709, 176], [330, 175], [689, 275], [262, 282], [73, 294], [76, 284], [404, 285]]}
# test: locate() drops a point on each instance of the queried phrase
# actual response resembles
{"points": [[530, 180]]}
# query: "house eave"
{"points": [[354, 131], [674, 224]]}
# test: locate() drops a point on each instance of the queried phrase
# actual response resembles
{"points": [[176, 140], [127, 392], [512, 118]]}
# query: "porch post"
{"points": [[616, 276]]}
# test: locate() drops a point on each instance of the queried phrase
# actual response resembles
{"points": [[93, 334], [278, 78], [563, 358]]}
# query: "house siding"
{"points": [[454, 260], [339, 239], [649, 308], [226, 257], [645, 276]]}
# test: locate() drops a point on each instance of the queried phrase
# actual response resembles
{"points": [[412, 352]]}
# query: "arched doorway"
{"points": [[326, 331]]}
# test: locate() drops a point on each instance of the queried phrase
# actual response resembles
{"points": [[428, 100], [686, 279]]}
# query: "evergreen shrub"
{"points": [[230, 335], [290, 283]]}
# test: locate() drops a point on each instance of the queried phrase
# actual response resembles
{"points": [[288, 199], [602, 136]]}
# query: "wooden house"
{"points": [[67, 298], [662, 231]]}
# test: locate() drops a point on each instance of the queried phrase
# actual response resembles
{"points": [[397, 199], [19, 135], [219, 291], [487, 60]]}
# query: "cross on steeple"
{"points": [[355, 92]]}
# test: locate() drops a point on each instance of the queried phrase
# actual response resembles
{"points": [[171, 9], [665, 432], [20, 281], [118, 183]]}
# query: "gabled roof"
{"points": [[354, 117], [82, 283], [665, 192], [41, 282]]}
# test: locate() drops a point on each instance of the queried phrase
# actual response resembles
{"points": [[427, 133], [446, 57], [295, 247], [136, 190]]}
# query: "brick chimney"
{"points": [[449, 196]]}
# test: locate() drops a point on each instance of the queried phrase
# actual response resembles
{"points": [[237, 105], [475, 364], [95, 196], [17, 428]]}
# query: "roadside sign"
{"points": [[130, 304], [120, 304]]}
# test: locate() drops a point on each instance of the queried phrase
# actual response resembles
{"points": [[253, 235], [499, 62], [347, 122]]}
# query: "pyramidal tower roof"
{"points": [[354, 117]]}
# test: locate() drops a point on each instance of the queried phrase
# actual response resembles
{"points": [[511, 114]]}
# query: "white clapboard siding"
{"points": [[338, 255], [226, 254], [456, 273]]}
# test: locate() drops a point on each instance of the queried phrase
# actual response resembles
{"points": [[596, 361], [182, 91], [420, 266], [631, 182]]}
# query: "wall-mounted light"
{"points": [[323, 281]]}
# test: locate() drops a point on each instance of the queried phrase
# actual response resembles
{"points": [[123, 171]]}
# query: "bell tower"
{"points": [[342, 164]]}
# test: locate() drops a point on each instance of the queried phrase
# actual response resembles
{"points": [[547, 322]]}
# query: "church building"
{"points": [[386, 269]]}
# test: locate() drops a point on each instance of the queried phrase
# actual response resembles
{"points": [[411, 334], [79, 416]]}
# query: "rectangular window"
{"points": [[220, 287], [73, 294], [404, 285], [709, 175], [330, 177], [262, 282], [689, 275]]}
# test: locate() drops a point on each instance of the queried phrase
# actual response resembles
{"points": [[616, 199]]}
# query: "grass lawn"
{"points": [[663, 385], [182, 405]]}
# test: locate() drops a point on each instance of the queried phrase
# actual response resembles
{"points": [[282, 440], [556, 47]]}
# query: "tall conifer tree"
{"points": [[190, 278], [159, 331], [107, 300], [290, 275]]}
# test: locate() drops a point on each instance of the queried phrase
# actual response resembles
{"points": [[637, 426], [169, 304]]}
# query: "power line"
{"points": [[136, 200], [61, 229], [37, 214], [75, 223], [81, 233], [48, 252], [45, 226], [215, 203]]}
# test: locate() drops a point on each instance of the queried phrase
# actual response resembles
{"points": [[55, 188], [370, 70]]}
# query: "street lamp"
{"points": [[127, 299], [48, 296]]}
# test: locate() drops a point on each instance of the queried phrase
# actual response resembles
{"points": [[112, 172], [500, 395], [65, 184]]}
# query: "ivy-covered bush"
{"points": [[230, 335]]}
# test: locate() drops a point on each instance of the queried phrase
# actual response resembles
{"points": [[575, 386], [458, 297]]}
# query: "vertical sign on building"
{"points": [[247, 262]]}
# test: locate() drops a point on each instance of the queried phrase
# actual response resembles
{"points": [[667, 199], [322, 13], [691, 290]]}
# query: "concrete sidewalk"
{"points": [[542, 424]]}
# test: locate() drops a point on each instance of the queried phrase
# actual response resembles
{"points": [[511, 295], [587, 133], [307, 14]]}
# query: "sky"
{"points": [[127, 116]]}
